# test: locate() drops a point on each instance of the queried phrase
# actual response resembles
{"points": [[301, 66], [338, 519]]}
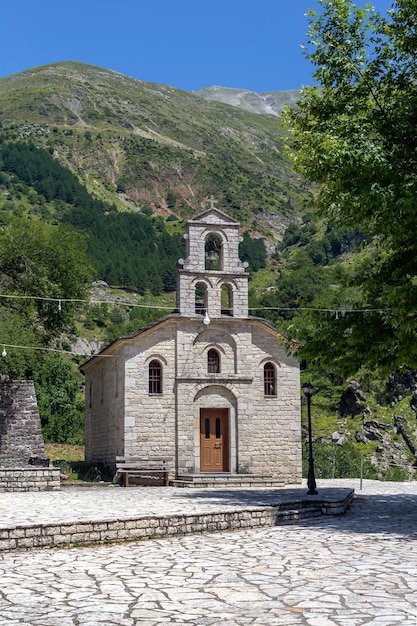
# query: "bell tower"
{"points": [[212, 281]]}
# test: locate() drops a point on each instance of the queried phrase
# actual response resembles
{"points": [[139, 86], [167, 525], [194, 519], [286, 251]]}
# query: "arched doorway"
{"points": [[214, 440]]}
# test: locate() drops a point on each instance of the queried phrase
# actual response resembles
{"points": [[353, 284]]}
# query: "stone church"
{"points": [[208, 386]]}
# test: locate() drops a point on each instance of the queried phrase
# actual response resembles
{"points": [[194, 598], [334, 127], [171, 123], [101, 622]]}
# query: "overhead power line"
{"points": [[339, 310], [60, 301]]}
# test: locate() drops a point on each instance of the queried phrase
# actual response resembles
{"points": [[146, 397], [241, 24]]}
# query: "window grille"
{"points": [[155, 377], [213, 362], [270, 380]]}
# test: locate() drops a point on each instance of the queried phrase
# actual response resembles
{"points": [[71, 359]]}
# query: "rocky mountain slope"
{"points": [[269, 103], [137, 143]]}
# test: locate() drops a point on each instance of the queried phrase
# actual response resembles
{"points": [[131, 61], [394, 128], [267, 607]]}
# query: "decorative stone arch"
{"points": [[215, 396], [201, 288], [215, 346], [214, 241], [270, 376], [213, 361], [227, 289], [218, 338], [238, 346], [154, 365], [155, 356], [270, 359]]}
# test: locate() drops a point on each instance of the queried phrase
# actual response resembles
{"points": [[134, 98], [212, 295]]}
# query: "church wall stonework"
{"points": [[104, 415], [150, 418]]}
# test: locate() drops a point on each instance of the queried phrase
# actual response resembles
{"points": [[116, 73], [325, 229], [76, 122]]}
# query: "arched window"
{"points": [[270, 379], [155, 377], [213, 361]]}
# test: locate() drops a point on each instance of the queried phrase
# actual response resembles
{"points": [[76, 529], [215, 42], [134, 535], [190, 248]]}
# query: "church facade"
{"points": [[208, 386]]}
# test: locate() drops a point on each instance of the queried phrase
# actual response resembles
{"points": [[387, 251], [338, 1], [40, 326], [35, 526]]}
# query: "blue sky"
{"points": [[189, 44]]}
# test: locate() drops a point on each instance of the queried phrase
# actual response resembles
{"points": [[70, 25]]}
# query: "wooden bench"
{"points": [[151, 467]]}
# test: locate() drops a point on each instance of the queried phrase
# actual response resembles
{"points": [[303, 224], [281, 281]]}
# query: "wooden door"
{"points": [[214, 440]]}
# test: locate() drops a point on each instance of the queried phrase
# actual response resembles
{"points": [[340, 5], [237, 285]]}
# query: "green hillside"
{"points": [[138, 143]]}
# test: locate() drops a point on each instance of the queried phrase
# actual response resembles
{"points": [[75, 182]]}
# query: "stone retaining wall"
{"points": [[30, 479], [22, 537], [25, 537]]}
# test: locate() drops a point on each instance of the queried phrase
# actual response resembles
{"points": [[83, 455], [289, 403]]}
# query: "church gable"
{"points": [[213, 216]]}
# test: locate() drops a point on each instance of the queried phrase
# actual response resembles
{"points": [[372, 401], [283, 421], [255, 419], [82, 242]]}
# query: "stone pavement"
{"points": [[352, 570], [74, 504], [101, 514]]}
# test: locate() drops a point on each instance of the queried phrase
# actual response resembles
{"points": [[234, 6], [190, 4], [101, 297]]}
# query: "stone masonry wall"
{"points": [[150, 418], [265, 432], [28, 537], [20, 427], [275, 420], [30, 479], [104, 412]]}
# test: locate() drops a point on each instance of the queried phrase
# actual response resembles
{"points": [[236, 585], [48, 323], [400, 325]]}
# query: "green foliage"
{"points": [[15, 331], [61, 407], [385, 457], [354, 135], [129, 249], [292, 235], [297, 287], [60, 404], [171, 199], [334, 461], [39, 170], [138, 317], [126, 248], [321, 247], [41, 261], [253, 252]]}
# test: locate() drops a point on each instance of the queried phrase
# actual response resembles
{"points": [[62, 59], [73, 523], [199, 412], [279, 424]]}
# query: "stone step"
{"points": [[226, 481], [286, 516]]}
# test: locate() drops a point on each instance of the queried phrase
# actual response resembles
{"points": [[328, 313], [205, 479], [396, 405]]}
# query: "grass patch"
{"points": [[64, 452]]}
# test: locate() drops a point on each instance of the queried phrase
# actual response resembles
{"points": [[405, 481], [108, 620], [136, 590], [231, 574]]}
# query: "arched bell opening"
{"points": [[213, 253], [200, 298], [226, 299]]}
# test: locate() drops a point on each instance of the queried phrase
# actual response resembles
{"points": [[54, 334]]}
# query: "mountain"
{"points": [[269, 103], [136, 143]]}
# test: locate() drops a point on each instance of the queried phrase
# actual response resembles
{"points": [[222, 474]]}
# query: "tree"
{"points": [[355, 135], [253, 251], [40, 264], [61, 407]]}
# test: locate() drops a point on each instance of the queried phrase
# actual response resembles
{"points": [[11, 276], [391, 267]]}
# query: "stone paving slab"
{"points": [[113, 514], [352, 570], [106, 503]]}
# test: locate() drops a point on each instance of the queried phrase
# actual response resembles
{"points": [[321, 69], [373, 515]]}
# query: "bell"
{"points": [[211, 255]]}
